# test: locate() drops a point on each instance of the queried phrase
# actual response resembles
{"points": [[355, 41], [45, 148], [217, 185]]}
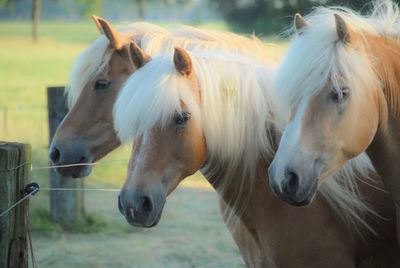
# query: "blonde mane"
{"points": [[155, 40], [316, 57], [96, 57], [236, 117]]}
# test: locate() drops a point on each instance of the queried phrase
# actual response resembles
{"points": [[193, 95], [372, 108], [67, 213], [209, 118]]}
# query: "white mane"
{"points": [[232, 91], [235, 115], [96, 57], [154, 40], [316, 58]]}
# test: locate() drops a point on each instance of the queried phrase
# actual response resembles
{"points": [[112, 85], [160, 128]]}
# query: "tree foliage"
{"points": [[89, 7], [271, 16]]}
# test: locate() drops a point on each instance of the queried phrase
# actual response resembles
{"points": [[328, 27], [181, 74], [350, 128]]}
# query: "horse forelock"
{"points": [[233, 114], [316, 57], [90, 63], [154, 40], [96, 58]]}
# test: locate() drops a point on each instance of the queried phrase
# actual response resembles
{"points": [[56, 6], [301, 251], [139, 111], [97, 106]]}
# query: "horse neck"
{"points": [[261, 204], [386, 144]]}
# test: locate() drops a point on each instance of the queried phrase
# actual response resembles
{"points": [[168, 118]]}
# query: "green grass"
{"points": [[191, 232], [59, 31]]}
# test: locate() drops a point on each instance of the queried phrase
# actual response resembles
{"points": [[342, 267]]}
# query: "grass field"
{"points": [[191, 232]]}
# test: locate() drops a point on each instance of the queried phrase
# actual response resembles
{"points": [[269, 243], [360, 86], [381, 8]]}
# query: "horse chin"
{"points": [[301, 199], [75, 172], [305, 198], [301, 203], [82, 172], [147, 224], [155, 222]]}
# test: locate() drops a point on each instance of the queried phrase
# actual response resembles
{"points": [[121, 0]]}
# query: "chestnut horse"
{"points": [[87, 134], [212, 111], [339, 87]]}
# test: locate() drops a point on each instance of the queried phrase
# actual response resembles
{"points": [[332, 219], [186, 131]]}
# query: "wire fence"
{"points": [[16, 118], [33, 188], [33, 167]]}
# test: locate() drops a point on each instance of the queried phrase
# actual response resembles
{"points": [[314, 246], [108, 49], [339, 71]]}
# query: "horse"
{"points": [[86, 134], [339, 89], [93, 63], [212, 111]]}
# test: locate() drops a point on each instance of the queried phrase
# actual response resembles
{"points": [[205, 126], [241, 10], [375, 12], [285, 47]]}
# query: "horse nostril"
{"points": [[146, 205], [82, 159], [290, 184], [55, 155]]}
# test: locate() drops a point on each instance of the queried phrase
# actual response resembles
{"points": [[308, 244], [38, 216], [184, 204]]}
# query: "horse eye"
{"points": [[181, 119], [340, 95], [102, 84]]}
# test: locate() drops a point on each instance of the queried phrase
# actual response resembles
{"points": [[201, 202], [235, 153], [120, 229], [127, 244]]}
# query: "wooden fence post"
{"points": [[15, 168], [66, 207]]}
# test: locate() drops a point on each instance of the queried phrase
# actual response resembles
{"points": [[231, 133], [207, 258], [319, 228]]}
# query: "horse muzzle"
{"points": [[140, 209], [291, 187], [73, 159]]}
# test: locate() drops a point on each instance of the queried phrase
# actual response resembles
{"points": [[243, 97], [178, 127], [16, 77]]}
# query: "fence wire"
{"points": [[34, 191], [34, 167]]}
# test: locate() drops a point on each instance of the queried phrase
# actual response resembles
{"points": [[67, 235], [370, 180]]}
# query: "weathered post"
{"points": [[66, 207], [15, 168]]}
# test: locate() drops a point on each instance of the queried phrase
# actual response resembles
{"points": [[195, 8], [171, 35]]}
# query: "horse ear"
{"points": [[96, 21], [137, 56], [299, 23], [182, 61], [342, 29], [115, 38]]}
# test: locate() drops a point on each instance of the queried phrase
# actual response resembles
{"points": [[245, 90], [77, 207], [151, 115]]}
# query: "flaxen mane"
{"points": [[326, 60], [154, 40], [235, 115]]}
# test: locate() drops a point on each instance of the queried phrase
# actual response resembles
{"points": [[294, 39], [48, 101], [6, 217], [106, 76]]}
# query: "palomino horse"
{"points": [[339, 87], [92, 98], [87, 134], [212, 111]]}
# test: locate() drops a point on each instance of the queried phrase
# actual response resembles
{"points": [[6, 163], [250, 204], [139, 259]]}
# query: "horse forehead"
{"points": [[147, 149], [117, 64], [155, 137], [316, 107]]}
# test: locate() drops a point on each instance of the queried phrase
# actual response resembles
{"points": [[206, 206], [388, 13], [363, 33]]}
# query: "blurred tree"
{"points": [[268, 16], [89, 7], [142, 10], [140, 5], [7, 5], [36, 6], [35, 19]]}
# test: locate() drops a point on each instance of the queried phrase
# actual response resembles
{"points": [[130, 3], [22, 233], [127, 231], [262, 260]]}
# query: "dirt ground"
{"points": [[191, 233]]}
